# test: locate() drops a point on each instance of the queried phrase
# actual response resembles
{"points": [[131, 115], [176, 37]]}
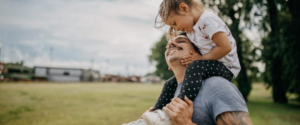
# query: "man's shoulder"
{"points": [[217, 82], [218, 87], [221, 95]]}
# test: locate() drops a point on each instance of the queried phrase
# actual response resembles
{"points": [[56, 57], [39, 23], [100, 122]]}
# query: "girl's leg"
{"points": [[167, 93], [199, 70]]}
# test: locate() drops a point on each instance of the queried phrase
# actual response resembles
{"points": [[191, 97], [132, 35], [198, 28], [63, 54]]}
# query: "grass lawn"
{"points": [[111, 104]]}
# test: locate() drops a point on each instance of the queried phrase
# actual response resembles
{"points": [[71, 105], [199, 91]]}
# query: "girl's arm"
{"points": [[223, 47]]}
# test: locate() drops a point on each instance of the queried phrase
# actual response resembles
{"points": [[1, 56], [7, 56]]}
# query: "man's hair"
{"points": [[194, 46]]}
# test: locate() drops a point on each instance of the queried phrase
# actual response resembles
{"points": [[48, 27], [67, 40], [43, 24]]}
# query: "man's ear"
{"points": [[183, 8]]}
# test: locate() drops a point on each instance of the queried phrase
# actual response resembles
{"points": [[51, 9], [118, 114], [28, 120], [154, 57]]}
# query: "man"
{"points": [[218, 101]]}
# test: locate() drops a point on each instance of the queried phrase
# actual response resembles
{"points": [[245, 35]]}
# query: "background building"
{"points": [[55, 74], [15, 72]]}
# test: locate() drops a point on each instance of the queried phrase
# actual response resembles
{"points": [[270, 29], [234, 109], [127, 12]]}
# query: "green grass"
{"points": [[110, 104], [264, 112]]}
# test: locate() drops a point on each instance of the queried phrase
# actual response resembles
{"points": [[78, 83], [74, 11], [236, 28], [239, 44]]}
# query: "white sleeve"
{"points": [[212, 25]]}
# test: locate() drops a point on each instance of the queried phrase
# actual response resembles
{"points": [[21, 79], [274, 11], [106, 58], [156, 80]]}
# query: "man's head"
{"points": [[177, 48]]}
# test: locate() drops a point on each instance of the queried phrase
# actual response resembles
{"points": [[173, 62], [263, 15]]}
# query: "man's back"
{"points": [[216, 96]]}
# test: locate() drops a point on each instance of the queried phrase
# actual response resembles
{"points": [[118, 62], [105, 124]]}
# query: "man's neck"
{"points": [[179, 71]]}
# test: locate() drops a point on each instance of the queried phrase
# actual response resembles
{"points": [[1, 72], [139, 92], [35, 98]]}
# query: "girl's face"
{"points": [[181, 22]]}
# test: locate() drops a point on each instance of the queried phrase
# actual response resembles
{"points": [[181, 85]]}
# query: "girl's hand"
{"points": [[188, 59]]}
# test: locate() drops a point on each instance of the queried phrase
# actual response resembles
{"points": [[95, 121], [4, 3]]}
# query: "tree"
{"points": [[294, 9], [158, 57], [281, 46], [272, 59]]}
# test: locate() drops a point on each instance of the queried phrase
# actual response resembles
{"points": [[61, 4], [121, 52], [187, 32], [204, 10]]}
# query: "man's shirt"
{"points": [[217, 95]]}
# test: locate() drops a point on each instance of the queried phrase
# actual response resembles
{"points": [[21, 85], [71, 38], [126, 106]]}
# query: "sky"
{"points": [[112, 36]]}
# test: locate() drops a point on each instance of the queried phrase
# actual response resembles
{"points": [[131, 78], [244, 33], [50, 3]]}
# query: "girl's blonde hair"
{"points": [[168, 6]]}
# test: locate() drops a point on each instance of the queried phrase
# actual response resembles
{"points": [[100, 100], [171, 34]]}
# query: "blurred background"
{"points": [[69, 62]]}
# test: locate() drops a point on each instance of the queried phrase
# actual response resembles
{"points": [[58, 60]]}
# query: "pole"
{"points": [[51, 49]]}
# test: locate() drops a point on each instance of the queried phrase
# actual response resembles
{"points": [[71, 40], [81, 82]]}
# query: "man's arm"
{"points": [[234, 118]]}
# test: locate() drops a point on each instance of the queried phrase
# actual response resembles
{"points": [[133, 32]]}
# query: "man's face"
{"points": [[178, 48]]}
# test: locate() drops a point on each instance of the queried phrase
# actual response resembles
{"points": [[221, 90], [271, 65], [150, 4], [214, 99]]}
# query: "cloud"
{"points": [[114, 34]]}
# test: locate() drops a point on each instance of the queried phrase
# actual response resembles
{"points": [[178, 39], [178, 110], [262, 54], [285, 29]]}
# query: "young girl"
{"points": [[214, 40]]}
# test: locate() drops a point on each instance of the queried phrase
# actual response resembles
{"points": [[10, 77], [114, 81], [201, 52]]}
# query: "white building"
{"points": [[150, 79], [66, 74]]}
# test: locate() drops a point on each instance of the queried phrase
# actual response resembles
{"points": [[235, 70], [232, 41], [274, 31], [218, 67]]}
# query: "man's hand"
{"points": [[180, 112], [150, 109], [234, 118], [188, 59]]}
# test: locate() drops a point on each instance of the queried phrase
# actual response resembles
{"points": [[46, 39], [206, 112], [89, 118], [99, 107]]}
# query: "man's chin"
{"points": [[173, 58]]}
